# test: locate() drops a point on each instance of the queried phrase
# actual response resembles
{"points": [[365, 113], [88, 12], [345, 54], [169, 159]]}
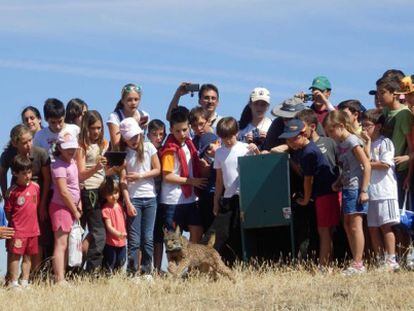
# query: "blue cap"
{"points": [[293, 128], [205, 140]]}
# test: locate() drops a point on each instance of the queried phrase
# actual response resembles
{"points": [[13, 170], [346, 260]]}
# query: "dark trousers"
{"points": [[206, 203], [226, 226], [114, 257], [92, 216]]}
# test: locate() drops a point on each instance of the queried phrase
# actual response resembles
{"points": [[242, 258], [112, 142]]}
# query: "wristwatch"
{"points": [[364, 191]]}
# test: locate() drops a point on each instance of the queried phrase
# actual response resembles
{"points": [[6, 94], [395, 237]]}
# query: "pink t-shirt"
{"points": [[21, 203], [117, 217], [69, 171]]}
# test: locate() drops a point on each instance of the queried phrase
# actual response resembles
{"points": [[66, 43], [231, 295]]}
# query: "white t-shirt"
{"points": [[216, 118], [144, 188], [45, 138], [172, 193], [114, 118], [383, 184], [226, 160], [262, 126]]}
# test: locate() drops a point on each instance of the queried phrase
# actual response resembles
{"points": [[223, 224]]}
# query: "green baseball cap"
{"points": [[321, 83]]}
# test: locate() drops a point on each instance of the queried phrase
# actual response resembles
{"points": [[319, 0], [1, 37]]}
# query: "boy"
{"points": [[181, 175], [199, 124], [54, 113], [226, 225], [21, 211], [318, 178], [208, 145], [354, 109], [397, 127], [383, 210]]}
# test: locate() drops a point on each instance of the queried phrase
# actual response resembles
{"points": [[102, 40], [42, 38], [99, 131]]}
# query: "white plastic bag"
{"points": [[75, 245]]}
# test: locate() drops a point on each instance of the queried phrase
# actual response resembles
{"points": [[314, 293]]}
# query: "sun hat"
{"points": [[129, 128], [289, 108], [292, 129], [406, 85], [321, 83], [260, 93]]}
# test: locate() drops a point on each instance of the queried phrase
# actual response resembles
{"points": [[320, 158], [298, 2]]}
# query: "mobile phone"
{"points": [[192, 87], [115, 158]]}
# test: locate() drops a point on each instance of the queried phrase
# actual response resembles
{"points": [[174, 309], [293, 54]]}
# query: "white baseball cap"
{"points": [[129, 128], [260, 93], [67, 140]]}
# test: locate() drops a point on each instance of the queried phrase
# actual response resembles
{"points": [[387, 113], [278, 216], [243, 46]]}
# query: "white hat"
{"points": [[260, 93], [129, 128], [67, 140]]}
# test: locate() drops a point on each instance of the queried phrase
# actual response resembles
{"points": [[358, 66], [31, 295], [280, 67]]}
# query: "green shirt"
{"points": [[397, 126]]}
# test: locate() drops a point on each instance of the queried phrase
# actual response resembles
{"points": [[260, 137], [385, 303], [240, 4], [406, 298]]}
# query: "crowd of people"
{"points": [[350, 166]]}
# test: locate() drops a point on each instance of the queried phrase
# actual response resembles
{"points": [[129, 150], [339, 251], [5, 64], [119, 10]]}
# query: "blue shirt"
{"points": [[314, 163]]}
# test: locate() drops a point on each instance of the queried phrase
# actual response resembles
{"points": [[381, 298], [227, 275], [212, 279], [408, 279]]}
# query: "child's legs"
{"points": [[147, 233], [109, 260], [13, 266], [355, 233], [158, 236], [26, 265], [194, 222], [325, 245], [59, 254], [389, 239], [134, 236], [376, 240], [120, 257]]}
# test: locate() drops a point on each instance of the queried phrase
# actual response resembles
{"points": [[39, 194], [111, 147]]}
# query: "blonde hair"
{"points": [[337, 117], [17, 132]]}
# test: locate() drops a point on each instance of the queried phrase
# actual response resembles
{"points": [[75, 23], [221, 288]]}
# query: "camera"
{"points": [[307, 97], [256, 137], [192, 88]]}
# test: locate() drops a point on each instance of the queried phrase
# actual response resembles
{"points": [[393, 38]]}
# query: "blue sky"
{"points": [[90, 49]]}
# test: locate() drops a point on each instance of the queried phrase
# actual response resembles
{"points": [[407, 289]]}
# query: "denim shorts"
{"points": [[350, 204]]}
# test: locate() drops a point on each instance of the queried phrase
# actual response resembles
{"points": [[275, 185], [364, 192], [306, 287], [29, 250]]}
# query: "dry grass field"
{"points": [[267, 288]]}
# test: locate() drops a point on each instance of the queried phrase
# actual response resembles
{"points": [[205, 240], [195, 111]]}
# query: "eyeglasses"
{"points": [[131, 88], [367, 126]]}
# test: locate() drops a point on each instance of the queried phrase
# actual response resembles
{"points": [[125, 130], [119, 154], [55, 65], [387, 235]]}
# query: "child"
{"points": [[227, 221], [317, 180], [138, 189], [383, 210], [54, 113], [21, 210], [156, 135], [181, 175], [127, 107], [397, 127], [199, 124], [65, 206], [91, 164], [21, 143], [253, 122], [354, 109], [75, 110], [354, 181], [114, 217], [208, 145]]}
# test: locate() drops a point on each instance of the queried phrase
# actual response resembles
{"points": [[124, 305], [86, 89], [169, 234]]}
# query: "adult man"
{"points": [[208, 99]]}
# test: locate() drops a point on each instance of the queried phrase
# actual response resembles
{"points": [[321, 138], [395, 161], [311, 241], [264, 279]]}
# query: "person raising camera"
{"points": [[208, 99], [253, 122]]}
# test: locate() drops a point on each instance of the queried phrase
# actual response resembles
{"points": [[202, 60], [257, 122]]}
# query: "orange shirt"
{"points": [[117, 217]]}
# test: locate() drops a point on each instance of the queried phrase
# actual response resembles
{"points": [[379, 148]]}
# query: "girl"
{"points": [[32, 119], [354, 109], [65, 206], [75, 110], [354, 180], [126, 107], [114, 218], [91, 166], [253, 122], [138, 189], [21, 143]]}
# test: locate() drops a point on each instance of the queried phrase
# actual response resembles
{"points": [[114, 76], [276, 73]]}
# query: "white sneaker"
{"points": [[24, 284], [14, 285], [354, 270], [148, 278], [391, 266]]}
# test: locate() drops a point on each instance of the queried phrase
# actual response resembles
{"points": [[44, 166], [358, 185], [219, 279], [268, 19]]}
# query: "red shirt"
{"points": [[21, 205], [320, 114], [117, 217]]}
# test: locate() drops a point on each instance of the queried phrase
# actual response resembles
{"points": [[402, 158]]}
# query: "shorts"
{"points": [[183, 215], [381, 212], [23, 246], [61, 217], [351, 204], [328, 209]]}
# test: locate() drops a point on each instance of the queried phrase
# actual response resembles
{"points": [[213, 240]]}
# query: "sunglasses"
{"points": [[131, 88]]}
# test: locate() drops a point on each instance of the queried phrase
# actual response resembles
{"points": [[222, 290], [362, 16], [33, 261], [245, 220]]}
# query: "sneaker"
{"points": [[390, 266], [148, 278], [14, 285], [24, 284], [354, 269]]}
